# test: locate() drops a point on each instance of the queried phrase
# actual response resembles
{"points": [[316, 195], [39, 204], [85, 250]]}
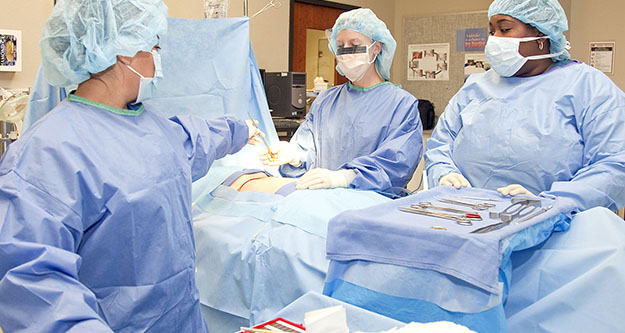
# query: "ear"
{"points": [[377, 47]]}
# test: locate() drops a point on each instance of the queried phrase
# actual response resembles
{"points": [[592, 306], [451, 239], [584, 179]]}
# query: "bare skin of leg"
{"points": [[259, 182]]}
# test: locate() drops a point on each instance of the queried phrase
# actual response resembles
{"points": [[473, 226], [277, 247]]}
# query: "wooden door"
{"points": [[318, 15]]}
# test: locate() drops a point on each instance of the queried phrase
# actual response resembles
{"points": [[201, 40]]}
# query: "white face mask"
{"points": [[503, 54], [147, 85], [354, 66]]}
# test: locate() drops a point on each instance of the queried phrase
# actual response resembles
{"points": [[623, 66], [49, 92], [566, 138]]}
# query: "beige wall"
{"points": [[404, 8], [14, 15], [269, 31], [598, 20], [30, 19], [410, 8]]}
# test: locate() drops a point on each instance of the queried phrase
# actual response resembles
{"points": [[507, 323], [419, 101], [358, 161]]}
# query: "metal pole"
{"points": [[244, 7]]}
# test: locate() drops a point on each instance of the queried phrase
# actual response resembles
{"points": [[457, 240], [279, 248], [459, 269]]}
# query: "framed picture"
{"points": [[10, 50]]}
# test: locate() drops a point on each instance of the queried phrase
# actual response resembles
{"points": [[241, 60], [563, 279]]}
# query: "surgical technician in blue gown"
{"points": [[364, 134], [537, 123], [95, 199]]}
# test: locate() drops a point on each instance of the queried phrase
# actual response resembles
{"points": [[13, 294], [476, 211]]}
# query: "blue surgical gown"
{"points": [[95, 219], [559, 133], [374, 131]]}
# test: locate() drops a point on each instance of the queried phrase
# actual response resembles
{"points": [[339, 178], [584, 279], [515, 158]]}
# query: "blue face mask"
{"points": [[147, 85]]}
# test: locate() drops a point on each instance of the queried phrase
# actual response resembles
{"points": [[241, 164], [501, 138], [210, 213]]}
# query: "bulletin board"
{"points": [[438, 29]]}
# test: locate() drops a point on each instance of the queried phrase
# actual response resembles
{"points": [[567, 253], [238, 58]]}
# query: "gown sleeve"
{"points": [[209, 140], [438, 149], [304, 140], [39, 286], [600, 181], [393, 163]]}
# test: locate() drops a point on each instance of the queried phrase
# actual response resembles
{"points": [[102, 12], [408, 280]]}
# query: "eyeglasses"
{"points": [[351, 50]]}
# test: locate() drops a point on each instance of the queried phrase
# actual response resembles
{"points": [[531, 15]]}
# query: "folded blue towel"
{"points": [[385, 234]]}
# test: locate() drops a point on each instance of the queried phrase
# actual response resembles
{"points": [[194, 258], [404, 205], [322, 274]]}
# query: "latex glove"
{"points": [[283, 153], [514, 189], [255, 135], [323, 178], [454, 179]]}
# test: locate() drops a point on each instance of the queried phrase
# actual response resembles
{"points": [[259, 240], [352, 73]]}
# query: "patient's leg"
{"points": [[259, 181]]}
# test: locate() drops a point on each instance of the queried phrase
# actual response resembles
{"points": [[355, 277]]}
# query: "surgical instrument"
{"points": [[489, 228], [502, 224], [542, 210], [466, 213], [272, 155], [258, 330], [520, 207], [474, 198], [476, 206], [461, 220]]}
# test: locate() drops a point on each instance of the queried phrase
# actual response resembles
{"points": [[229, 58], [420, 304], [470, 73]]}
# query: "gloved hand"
{"points": [[283, 153], [323, 178], [514, 189], [454, 179], [255, 135]]}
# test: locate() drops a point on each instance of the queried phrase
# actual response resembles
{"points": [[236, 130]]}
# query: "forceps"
{"points": [[466, 213], [272, 155], [461, 220], [476, 206]]}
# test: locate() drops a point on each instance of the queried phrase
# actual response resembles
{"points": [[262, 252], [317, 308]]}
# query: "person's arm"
{"points": [[39, 286], [209, 140], [438, 149], [601, 180], [304, 142], [396, 158]]}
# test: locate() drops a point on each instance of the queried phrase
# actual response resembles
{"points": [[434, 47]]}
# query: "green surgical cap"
{"points": [[83, 37]]}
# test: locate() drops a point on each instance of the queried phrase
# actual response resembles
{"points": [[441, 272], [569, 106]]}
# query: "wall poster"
{"points": [[428, 62], [602, 56], [10, 50], [475, 63]]}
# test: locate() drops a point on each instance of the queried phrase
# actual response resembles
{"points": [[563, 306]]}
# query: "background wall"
{"points": [[14, 15], [436, 29], [598, 20]]}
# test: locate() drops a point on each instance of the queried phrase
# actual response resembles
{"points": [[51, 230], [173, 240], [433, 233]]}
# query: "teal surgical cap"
{"points": [[83, 37], [364, 21], [545, 15]]}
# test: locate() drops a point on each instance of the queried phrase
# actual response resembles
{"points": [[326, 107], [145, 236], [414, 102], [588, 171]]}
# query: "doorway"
{"points": [[308, 51]]}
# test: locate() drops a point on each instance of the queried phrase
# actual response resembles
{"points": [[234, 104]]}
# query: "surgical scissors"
{"points": [[476, 206], [461, 220], [542, 210], [466, 213], [520, 207]]}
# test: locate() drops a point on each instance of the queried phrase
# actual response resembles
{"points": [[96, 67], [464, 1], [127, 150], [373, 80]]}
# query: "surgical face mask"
{"points": [[354, 61], [147, 85], [503, 54]]}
